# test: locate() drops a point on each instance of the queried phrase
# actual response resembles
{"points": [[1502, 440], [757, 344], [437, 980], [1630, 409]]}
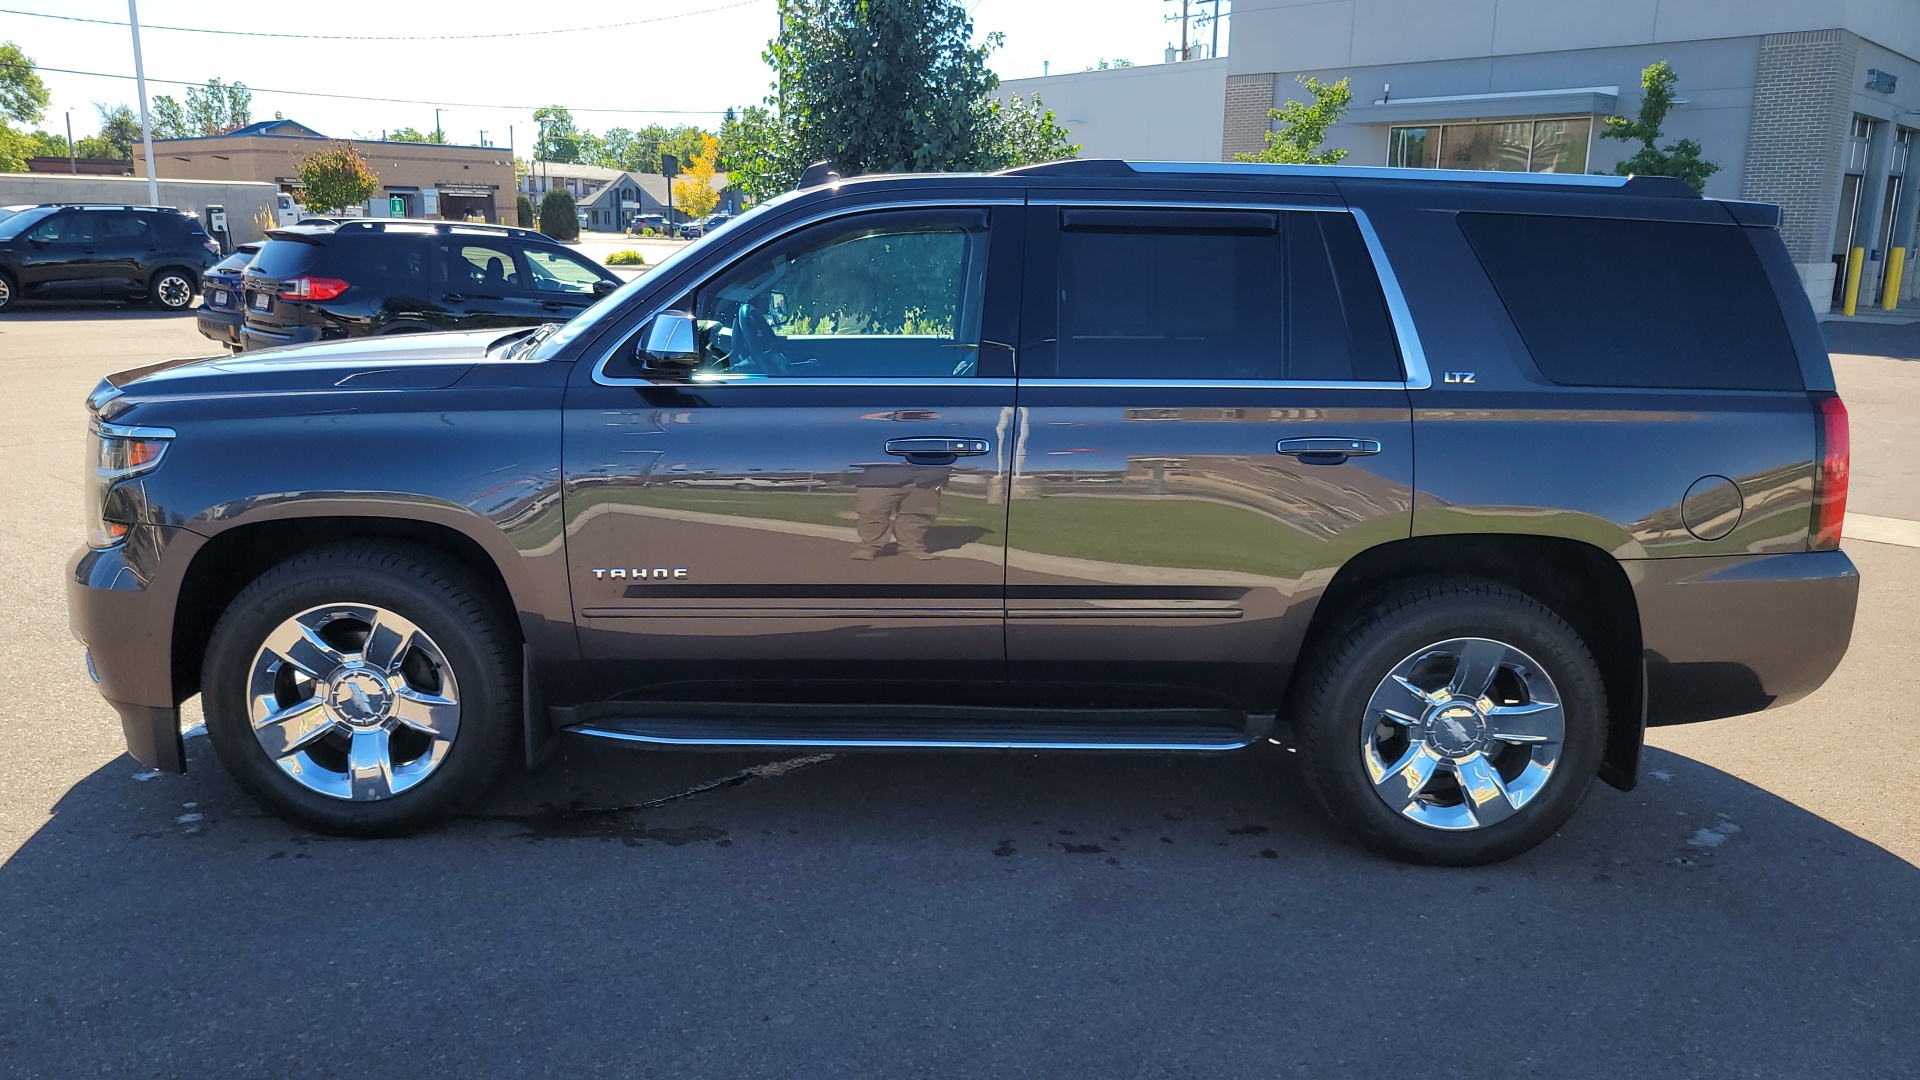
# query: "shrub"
{"points": [[559, 217], [627, 257], [648, 231], [523, 209]]}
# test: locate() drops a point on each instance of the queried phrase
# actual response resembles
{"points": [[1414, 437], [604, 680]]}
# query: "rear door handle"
{"points": [[1327, 451], [928, 446]]}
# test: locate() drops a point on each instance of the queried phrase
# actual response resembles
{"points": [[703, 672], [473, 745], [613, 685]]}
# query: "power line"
{"points": [[387, 37], [395, 101]]}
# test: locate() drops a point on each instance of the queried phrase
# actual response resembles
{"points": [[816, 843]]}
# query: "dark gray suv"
{"points": [[57, 251], [1452, 482]]}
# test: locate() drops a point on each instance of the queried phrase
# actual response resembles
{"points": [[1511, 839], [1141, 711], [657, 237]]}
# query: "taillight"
{"points": [[212, 248], [1833, 448], [311, 288]]}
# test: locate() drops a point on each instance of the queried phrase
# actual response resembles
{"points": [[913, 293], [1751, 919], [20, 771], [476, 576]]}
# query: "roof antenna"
{"points": [[818, 173]]}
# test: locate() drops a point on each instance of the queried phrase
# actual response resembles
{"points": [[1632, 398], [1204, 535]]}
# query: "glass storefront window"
{"points": [[1556, 145]]}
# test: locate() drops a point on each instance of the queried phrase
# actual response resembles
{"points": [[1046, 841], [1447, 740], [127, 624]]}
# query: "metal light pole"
{"points": [[437, 137], [73, 156], [146, 123]]}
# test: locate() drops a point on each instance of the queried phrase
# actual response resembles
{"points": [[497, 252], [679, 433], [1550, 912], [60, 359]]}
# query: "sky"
{"points": [[686, 65]]}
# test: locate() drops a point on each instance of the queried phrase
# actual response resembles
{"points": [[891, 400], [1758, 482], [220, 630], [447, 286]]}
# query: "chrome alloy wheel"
{"points": [[353, 702], [174, 291], [1463, 734], [6, 292]]}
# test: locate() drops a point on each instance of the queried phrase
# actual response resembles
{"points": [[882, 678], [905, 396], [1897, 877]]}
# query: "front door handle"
{"points": [[1327, 451], [936, 450]]}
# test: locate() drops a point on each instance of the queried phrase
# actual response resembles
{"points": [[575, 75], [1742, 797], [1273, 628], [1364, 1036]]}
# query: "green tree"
{"points": [[408, 134], [119, 128], [1303, 128], [336, 177], [1680, 159], [1025, 133], [559, 217], [881, 85], [218, 107], [523, 212], [559, 138], [168, 119], [23, 97], [755, 154]]}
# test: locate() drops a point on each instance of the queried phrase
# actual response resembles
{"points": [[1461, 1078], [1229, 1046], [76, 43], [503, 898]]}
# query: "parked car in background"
{"points": [[57, 251], [396, 276], [220, 308], [695, 229], [642, 222]]}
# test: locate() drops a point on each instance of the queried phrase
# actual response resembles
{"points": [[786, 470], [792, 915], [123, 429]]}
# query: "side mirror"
{"points": [[669, 345], [604, 288]]}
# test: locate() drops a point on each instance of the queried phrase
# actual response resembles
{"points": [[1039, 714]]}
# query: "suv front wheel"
{"points": [[366, 689], [1457, 723]]}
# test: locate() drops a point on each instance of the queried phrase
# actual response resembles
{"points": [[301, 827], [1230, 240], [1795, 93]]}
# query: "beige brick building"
{"points": [[428, 179]]}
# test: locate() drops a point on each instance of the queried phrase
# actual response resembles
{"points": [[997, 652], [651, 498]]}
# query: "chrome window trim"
{"points": [[601, 377], [1209, 384], [797, 381]]}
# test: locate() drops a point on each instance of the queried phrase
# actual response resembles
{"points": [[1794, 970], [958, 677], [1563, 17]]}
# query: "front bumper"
{"points": [[1725, 636], [120, 603]]}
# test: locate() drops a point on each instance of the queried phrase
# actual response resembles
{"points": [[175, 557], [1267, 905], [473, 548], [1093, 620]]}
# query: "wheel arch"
{"points": [[234, 557], [1581, 583]]}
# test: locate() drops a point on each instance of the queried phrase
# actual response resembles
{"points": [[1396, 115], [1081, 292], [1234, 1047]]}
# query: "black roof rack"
{"points": [[108, 206], [1656, 186], [413, 224]]}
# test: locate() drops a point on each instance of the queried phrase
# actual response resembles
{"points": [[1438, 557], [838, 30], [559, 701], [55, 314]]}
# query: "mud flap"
{"points": [[540, 740]]}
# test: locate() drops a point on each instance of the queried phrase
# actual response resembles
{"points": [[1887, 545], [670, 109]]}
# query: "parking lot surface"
{"points": [[1753, 909]]}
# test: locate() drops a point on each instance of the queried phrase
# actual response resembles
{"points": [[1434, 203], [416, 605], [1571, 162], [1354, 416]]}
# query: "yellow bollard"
{"points": [[1890, 295], [1850, 301]]}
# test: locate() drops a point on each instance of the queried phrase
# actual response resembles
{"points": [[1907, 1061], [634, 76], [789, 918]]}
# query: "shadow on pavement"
{"points": [[1873, 339], [992, 915], [87, 311]]}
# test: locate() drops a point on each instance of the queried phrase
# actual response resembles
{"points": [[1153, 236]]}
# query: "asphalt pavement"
{"points": [[1753, 909]]}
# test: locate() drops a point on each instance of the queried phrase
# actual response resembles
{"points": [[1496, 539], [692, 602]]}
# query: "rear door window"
{"points": [[561, 272], [482, 269], [125, 231], [1215, 295], [1610, 302]]}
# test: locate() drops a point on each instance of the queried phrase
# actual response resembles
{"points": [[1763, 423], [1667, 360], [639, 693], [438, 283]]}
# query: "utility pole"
{"points": [[483, 136], [73, 156], [146, 123], [437, 137], [1214, 54]]}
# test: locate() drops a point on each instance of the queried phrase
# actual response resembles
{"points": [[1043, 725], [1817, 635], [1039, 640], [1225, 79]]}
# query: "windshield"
{"points": [[617, 299], [16, 224]]}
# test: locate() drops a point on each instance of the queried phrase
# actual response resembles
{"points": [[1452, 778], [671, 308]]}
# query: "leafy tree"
{"points": [[523, 212], [1024, 133], [168, 119], [1104, 65], [336, 177], [1303, 128], [23, 97], [881, 85], [1681, 159], [559, 138], [694, 192], [218, 107], [559, 217], [756, 154], [119, 128], [409, 134]]}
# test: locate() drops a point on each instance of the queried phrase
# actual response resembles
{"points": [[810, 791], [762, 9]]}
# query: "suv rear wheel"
{"points": [[171, 289], [1457, 723], [366, 689]]}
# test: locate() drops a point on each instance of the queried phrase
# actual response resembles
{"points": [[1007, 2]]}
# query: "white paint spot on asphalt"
{"points": [[1662, 775], [1714, 835], [188, 819], [146, 775]]}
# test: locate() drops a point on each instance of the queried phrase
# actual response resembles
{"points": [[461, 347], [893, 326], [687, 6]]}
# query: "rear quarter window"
{"points": [[1613, 302]]}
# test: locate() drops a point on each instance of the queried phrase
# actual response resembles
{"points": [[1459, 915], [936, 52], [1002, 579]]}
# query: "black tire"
{"points": [[445, 603], [9, 291], [1329, 709], [164, 288]]}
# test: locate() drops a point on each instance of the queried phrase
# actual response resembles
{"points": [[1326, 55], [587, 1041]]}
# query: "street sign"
{"points": [[396, 207]]}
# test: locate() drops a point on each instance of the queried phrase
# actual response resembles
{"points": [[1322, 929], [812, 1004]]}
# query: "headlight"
{"points": [[116, 453]]}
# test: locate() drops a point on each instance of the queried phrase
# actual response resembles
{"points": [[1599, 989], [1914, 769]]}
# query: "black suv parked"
{"points": [[1450, 481], [71, 252], [356, 278]]}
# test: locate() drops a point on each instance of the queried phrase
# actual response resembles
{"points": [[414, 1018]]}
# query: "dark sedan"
{"points": [[221, 310]]}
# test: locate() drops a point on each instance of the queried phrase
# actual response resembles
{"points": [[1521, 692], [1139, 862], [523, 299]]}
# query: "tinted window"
{"points": [[20, 221], [64, 229], [397, 263], [482, 269], [124, 228], [1605, 302], [1195, 295], [236, 261], [558, 271], [885, 296], [285, 258]]}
